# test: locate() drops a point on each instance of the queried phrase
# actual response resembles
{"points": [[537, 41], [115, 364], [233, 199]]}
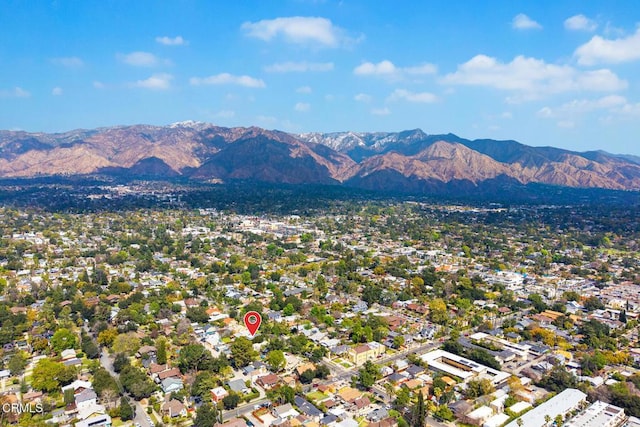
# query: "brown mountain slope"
{"points": [[442, 161], [389, 161]]}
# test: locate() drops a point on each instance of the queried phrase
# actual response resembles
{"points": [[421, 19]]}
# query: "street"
{"points": [[141, 415], [242, 409]]}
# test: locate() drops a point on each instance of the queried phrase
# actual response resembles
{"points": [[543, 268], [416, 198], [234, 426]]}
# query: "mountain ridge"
{"points": [[408, 160]]}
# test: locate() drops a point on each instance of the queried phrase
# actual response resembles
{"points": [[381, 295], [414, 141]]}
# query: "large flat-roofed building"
{"points": [[560, 404], [600, 414], [461, 367]]}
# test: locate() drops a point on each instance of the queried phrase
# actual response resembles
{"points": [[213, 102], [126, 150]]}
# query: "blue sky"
{"points": [[562, 73]]}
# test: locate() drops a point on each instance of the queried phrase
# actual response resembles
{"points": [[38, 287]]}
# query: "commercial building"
{"points": [[600, 414], [560, 404]]}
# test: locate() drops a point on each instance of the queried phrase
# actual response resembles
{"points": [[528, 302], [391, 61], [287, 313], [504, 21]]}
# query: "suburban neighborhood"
{"points": [[377, 315]]}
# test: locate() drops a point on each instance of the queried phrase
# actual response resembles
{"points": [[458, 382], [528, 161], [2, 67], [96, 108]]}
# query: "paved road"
{"points": [[341, 373], [141, 415], [242, 409]]}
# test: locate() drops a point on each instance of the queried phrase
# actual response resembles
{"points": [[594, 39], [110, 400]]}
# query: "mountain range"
{"points": [[409, 161]]}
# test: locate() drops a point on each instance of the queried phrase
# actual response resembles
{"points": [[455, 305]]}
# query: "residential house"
{"points": [[308, 409], [171, 384], [386, 422], [285, 412], [86, 398], [268, 381], [239, 386], [173, 372], [173, 408], [218, 393], [361, 353], [235, 422]]}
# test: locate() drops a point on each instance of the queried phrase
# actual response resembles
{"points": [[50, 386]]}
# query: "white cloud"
{"points": [[630, 109], [304, 90], [16, 92], [299, 67], [381, 68], [545, 112], [298, 30], [161, 81], [578, 107], [584, 105], [171, 41], [388, 69], [523, 22], [227, 79], [403, 94], [98, 85], [302, 107], [531, 78], [580, 23], [599, 50], [68, 61], [381, 111], [56, 91], [139, 59], [363, 97]]}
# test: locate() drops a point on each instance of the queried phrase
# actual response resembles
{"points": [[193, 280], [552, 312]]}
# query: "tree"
{"points": [[208, 415], [102, 380], [126, 410], [161, 351], [202, 384], [558, 420], [593, 303], [419, 412], [107, 336], [558, 379], [443, 412], [89, 347], [197, 314], [479, 387], [109, 397], [45, 375], [283, 394], [120, 362], [398, 341], [136, 382], [231, 401], [242, 352], [126, 343], [69, 396], [307, 376], [193, 357], [623, 316], [368, 374], [322, 372], [438, 311], [17, 363], [63, 339], [276, 360]]}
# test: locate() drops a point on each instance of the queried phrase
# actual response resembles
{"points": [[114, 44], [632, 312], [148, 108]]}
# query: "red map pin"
{"points": [[252, 321]]}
